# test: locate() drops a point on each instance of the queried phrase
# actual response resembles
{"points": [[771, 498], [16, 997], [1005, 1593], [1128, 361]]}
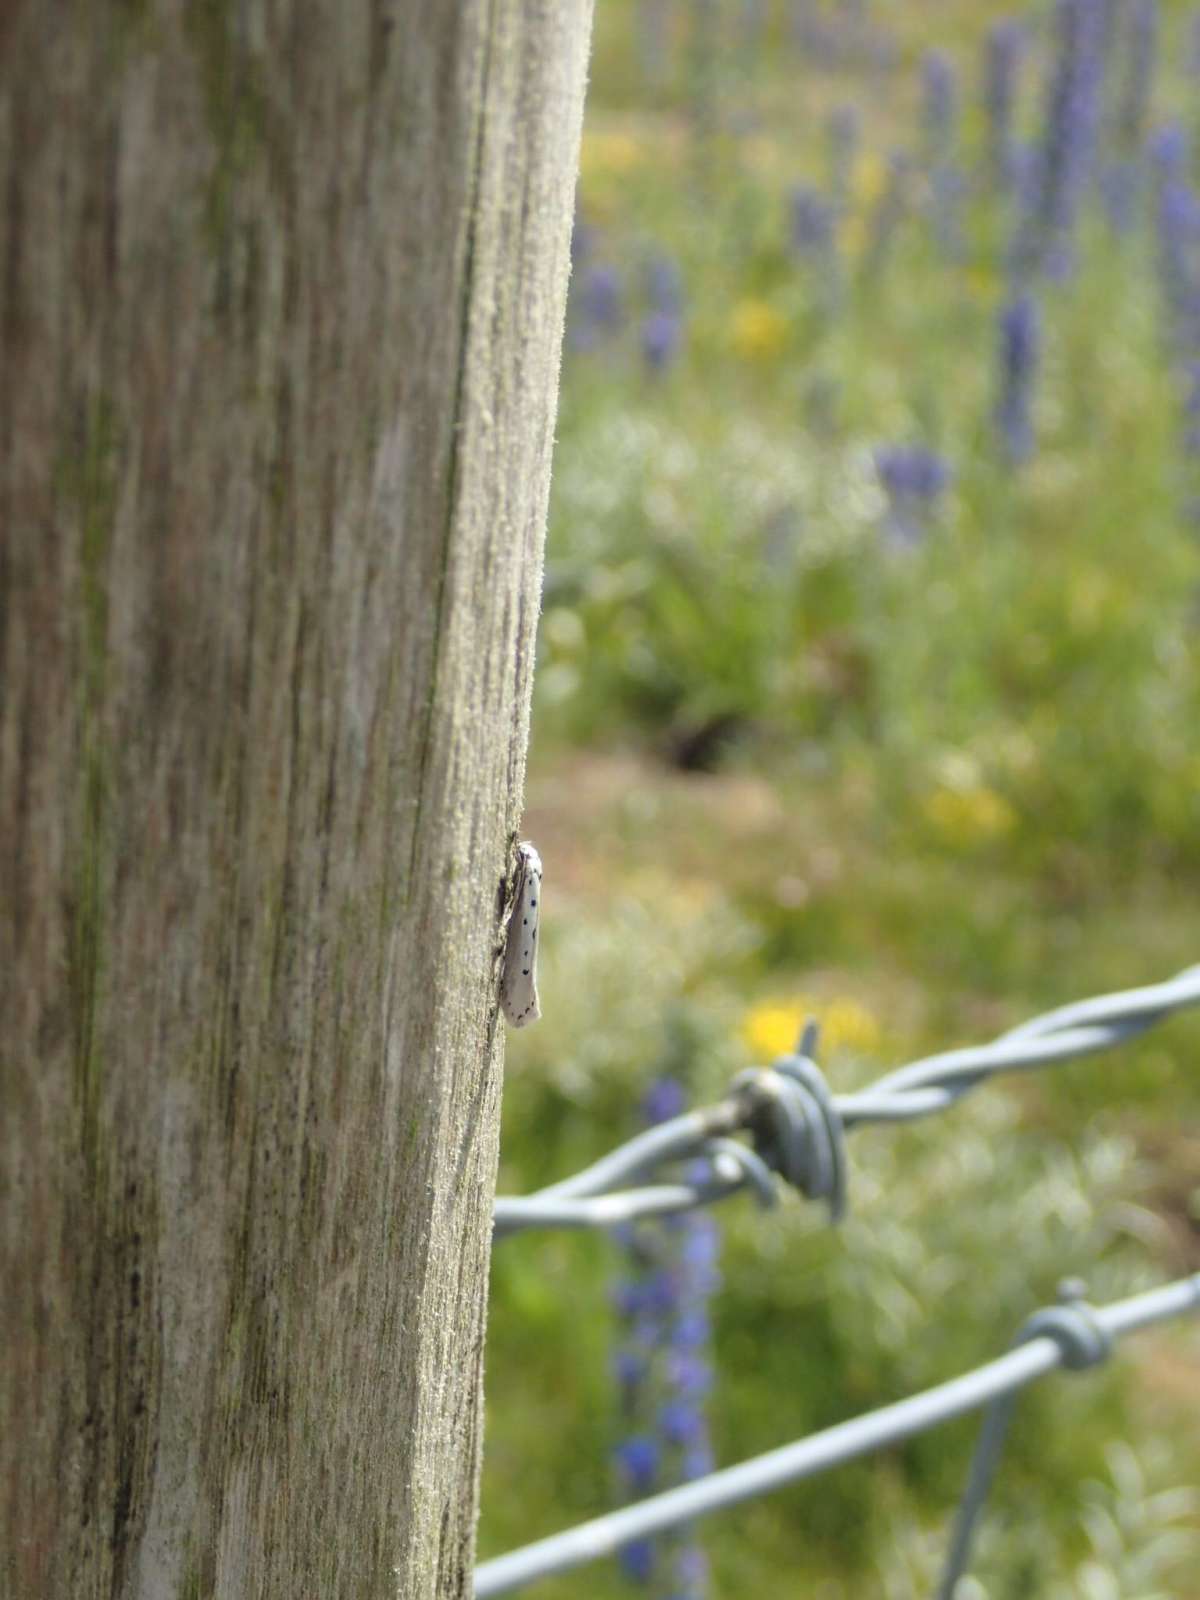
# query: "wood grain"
{"points": [[281, 302]]}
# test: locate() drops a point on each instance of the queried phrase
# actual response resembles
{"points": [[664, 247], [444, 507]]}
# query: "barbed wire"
{"points": [[1071, 1334], [797, 1125]]}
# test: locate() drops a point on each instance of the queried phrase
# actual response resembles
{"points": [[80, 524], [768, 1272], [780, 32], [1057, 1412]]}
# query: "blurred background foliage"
{"points": [[867, 687]]}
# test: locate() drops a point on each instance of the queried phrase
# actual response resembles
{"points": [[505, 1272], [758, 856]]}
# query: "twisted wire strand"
{"points": [[798, 1126], [1072, 1336]]}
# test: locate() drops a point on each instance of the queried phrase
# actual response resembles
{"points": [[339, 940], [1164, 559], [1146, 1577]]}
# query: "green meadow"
{"points": [[920, 781]]}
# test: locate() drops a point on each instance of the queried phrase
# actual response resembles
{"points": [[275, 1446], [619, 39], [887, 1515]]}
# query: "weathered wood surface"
{"points": [[281, 295]]}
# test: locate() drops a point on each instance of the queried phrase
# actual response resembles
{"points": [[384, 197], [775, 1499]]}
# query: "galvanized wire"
{"points": [[1085, 1342], [1067, 1335], [798, 1126]]}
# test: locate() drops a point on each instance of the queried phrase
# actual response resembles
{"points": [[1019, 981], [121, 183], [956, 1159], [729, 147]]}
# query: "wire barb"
{"points": [[797, 1126], [797, 1129]]}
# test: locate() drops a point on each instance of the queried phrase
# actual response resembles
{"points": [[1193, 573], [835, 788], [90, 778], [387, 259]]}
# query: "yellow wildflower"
{"points": [[772, 1028], [972, 815], [758, 331]]}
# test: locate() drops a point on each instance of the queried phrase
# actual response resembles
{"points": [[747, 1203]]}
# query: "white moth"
{"points": [[518, 983]]}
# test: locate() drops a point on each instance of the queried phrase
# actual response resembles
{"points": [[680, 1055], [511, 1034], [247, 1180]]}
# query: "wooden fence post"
{"points": [[281, 301]]}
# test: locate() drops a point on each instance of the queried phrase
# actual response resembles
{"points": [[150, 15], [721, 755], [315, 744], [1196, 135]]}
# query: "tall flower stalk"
{"points": [[914, 480], [662, 326], [844, 137], [939, 83], [1133, 114], [1124, 171], [1070, 130], [662, 1371], [1020, 352], [1004, 52], [594, 311], [1178, 208]]}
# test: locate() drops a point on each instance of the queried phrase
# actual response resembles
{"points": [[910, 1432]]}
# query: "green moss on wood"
{"points": [[237, 115]]}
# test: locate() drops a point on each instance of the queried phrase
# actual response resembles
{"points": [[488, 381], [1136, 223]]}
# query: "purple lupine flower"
{"points": [[601, 293], [912, 470], [812, 222], [939, 84], [844, 133], [583, 240], [913, 479], [813, 35], [1191, 407], [1167, 151], [1120, 183], [692, 1329], [663, 1100], [1024, 177], [661, 335], [691, 1574], [1020, 350], [681, 1422], [662, 1371], [1069, 136], [814, 240], [595, 311], [1004, 51], [948, 189], [662, 327], [664, 285], [637, 1560], [689, 1375], [1168, 157], [1179, 277], [1178, 236], [1122, 175], [629, 1367], [626, 1297], [701, 1246], [939, 94], [649, 1292], [841, 35], [1134, 110], [638, 1460]]}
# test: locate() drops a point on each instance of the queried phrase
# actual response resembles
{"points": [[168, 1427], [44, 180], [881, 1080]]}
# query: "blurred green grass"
{"points": [[951, 786]]}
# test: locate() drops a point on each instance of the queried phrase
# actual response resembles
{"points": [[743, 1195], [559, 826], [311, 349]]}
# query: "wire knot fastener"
{"points": [[732, 1162], [796, 1126], [1082, 1339]]}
